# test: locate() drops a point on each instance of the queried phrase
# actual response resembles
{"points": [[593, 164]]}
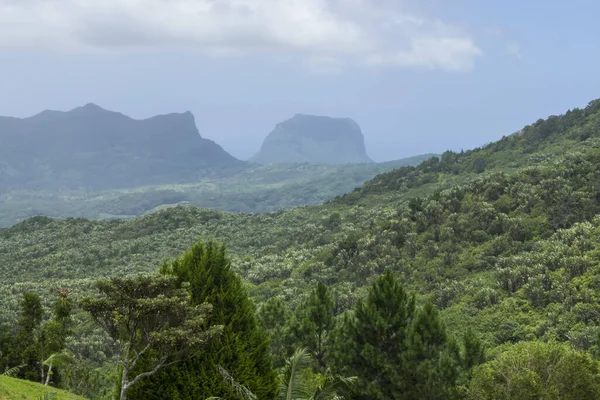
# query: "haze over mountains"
{"points": [[93, 149], [90, 147], [94, 163], [317, 139]]}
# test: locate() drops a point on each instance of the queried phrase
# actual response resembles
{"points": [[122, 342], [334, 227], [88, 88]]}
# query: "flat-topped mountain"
{"points": [[314, 139], [90, 147]]}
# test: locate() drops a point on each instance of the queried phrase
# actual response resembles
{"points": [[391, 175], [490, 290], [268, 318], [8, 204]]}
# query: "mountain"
{"points": [[257, 188], [314, 139], [503, 239], [93, 148]]}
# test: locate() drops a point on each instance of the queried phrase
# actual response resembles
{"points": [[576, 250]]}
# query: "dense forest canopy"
{"points": [[503, 239]]}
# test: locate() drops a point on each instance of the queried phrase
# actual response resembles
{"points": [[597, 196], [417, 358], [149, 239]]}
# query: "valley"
{"points": [[502, 239]]}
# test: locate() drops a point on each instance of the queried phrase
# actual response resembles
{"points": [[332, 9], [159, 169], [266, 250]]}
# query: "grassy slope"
{"points": [[17, 389]]}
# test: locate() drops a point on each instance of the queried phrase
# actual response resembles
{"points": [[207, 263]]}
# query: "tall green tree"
{"points": [[53, 336], [243, 348], [429, 363], [314, 322], [396, 350], [25, 347], [274, 317], [370, 343], [150, 317]]}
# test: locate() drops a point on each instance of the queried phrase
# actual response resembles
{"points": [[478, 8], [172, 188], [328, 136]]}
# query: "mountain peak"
{"points": [[90, 108], [317, 139], [96, 148]]}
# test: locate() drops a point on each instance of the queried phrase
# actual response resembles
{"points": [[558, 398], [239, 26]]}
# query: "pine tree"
{"points": [[274, 317], [430, 368], [395, 350], [371, 343], [315, 321], [26, 346], [242, 349]]}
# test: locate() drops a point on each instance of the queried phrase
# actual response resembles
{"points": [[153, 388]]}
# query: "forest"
{"points": [[473, 275], [251, 189]]}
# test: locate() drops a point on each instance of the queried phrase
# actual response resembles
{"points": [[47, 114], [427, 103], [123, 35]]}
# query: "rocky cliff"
{"points": [[314, 139]]}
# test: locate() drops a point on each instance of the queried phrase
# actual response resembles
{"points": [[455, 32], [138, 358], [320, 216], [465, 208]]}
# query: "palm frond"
{"points": [[334, 388], [58, 360], [12, 372], [293, 386]]}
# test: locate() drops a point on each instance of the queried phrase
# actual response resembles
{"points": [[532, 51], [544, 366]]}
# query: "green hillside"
{"points": [[252, 189], [17, 389], [504, 239]]}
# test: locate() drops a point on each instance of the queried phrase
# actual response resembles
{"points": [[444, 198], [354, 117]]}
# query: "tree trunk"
{"points": [[42, 372], [48, 375], [124, 383]]}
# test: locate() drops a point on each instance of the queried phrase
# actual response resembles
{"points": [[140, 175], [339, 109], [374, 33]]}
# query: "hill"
{"points": [[92, 148], [16, 389], [503, 239], [253, 189], [314, 139]]}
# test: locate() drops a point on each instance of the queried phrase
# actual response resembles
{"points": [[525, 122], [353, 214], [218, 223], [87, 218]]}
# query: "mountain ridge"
{"points": [[90, 146]]}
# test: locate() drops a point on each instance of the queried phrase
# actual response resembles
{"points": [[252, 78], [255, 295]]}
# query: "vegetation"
{"points": [[241, 349], [17, 389], [151, 320], [250, 189], [380, 284]]}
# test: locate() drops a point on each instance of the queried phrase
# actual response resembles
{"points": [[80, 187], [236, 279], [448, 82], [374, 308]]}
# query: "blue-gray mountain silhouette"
{"points": [[314, 139], [93, 148]]}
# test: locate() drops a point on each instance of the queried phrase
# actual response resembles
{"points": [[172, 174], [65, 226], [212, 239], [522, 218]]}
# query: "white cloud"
{"points": [[326, 33]]}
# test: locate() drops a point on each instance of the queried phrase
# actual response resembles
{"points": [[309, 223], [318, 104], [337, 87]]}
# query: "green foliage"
{"points": [[296, 385], [536, 370], [314, 322], [274, 317], [511, 252], [242, 349], [150, 317], [246, 188], [395, 350]]}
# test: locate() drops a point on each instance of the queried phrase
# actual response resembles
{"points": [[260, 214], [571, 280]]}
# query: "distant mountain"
{"points": [[314, 139], [92, 148]]}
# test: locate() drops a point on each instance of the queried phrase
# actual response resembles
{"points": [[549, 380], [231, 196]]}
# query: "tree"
{"points": [[537, 370], [430, 370], [297, 383], [396, 350], [274, 316], [294, 384], [315, 321], [242, 349], [25, 346], [33, 341], [54, 334], [55, 360], [151, 317], [370, 343]]}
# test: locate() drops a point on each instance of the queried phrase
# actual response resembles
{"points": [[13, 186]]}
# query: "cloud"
{"points": [[325, 33], [514, 50]]}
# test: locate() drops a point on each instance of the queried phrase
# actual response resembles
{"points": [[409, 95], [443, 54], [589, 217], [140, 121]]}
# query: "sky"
{"points": [[417, 76]]}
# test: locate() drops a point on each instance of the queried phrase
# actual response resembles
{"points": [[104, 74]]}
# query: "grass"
{"points": [[17, 389]]}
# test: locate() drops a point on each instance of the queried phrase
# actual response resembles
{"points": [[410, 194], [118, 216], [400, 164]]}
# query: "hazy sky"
{"points": [[418, 76]]}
